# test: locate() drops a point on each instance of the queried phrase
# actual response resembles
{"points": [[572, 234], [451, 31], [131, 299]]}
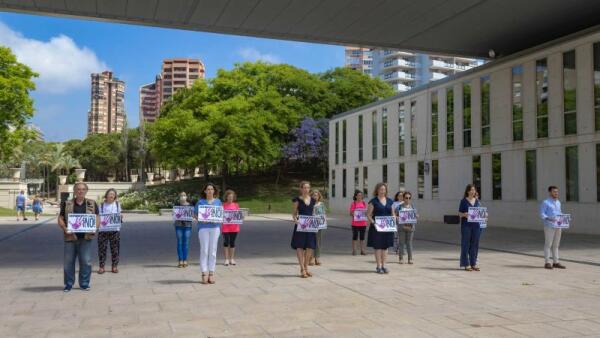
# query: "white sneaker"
{"points": [[226, 263], [232, 262]]}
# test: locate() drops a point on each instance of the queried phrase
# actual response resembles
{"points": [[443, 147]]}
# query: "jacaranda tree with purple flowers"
{"points": [[309, 142]]}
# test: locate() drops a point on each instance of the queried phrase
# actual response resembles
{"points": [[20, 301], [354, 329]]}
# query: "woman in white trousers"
{"points": [[207, 208]]}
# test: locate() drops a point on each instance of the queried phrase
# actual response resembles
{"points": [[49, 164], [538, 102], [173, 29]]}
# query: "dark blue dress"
{"points": [[469, 236], [304, 240], [380, 240]]}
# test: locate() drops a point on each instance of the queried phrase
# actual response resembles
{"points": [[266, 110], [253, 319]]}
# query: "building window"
{"points": [[366, 181], [337, 143], [374, 134], [360, 138], [401, 176], [476, 164], [401, 117], [541, 93], [413, 127], [570, 92], [333, 184], [356, 178], [497, 176], [485, 111], [434, 122], [597, 85], [421, 180], [572, 171], [517, 104], [531, 174], [384, 173], [435, 181], [466, 115], [450, 119], [344, 123], [384, 132], [344, 184]]}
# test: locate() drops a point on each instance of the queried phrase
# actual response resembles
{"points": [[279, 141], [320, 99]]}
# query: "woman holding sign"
{"points": [[469, 231], [109, 208], [381, 231], [406, 223], [230, 230], [319, 211], [358, 212], [303, 242], [183, 230], [208, 212]]}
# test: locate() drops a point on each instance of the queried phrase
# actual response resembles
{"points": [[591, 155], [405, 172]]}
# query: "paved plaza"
{"points": [[512, 296]]}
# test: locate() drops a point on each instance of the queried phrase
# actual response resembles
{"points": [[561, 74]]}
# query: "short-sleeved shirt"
{"points": [[303, 209], [21, 200], [464, 207], [205, 225], [358, 205], [78, 209], [228, 227]]}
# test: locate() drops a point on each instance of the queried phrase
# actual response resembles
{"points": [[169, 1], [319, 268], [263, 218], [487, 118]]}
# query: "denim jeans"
{"points": [[80, 249], [469, 244], [183, 241]]}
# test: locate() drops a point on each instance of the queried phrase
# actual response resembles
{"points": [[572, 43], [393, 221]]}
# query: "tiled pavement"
{"points": [[513, 296]]}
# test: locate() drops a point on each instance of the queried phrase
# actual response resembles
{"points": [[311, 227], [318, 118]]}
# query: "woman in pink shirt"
{"points": [[358, 212], [230, 230]]}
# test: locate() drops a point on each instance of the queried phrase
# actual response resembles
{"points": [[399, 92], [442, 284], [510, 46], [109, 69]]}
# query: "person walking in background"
{"points": [[183, 232], [549, 209], [303, 242], [469, 231], [21, 204], [319, 211], [406, 231], [36, 207], [109, 206], [380, 206], [208, 234], [230, 230], [359, 221]]}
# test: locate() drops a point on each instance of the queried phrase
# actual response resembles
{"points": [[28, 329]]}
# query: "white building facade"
{"points": [[512, 127]]}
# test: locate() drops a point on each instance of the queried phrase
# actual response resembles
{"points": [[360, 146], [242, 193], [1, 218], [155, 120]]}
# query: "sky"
{"points": [[66, 51]]}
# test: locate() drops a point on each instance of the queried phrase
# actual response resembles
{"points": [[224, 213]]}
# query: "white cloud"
{"points": [[252, 54], [61, 64]]}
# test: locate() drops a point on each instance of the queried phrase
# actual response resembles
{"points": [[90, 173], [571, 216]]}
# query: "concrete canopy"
{"points": [[458, 27]]}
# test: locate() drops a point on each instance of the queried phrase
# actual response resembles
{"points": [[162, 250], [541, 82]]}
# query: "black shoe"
{"points": [[86, 288], [558, 266], [384, 270], [548, 266], [378, 270], [67, 288]]}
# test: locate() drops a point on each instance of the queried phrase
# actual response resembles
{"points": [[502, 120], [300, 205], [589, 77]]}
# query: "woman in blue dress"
{"points": [[303, 242], [469, 231], [380, 205], [37, 207]]}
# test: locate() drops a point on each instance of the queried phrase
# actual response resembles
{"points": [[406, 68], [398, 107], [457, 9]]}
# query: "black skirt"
{"points": [[379, 240], [303, 240]]}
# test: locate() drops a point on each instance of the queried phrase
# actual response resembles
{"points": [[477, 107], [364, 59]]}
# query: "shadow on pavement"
{"points": [[53, 288], [275, 275], [523, 266], [352, 271], [176, 281]]}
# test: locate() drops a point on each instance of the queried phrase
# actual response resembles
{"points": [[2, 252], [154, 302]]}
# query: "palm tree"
{"points": [[62, 162]]}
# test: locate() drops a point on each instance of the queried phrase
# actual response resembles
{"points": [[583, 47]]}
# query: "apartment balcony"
{"points": [[439, 64], [394, 76], [398, 63], [465, 59], [437, 76], [401, 87], [390, 52]]}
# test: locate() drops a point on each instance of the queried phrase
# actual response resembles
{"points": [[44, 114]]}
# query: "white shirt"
{"points": [[110, 208]]}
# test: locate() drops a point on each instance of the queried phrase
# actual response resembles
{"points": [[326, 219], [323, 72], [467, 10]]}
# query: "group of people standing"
{"points": [[21, 202]]}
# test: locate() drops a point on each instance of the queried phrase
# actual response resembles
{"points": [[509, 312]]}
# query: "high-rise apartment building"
{"points": [[150, 100], [359, 59], [107, 111]]}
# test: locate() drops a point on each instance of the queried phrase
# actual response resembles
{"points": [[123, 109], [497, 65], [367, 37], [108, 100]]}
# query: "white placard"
{"points": [[81, 223], [562, 221], [308, 223], [322, 222], [183, 213], [210, 214], [385, 224], [233, 216], [359, 215], [477, 214], [110, 222], [407, 216]]}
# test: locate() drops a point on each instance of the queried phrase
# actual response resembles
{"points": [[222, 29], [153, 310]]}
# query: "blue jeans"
{"points": [[469, 244], [80, 249], [183, 241]]}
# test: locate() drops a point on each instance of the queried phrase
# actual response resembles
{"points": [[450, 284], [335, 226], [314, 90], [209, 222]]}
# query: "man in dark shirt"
{"points": [[78, 245]]}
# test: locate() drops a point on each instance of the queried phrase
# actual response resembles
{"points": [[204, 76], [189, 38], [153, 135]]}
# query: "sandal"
{"points": [[114, 269], [362, 253], [203, 281], [476, 268], [468, 268], [308, 273], [317, 262], [185, 264], [101, 270], [210, 280], [180, 264], [303, 274]]}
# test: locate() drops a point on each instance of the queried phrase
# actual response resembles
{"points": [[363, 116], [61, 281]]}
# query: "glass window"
{"points": [[421, 180], [570, 92], [374, 134], [360, 138], [333, 184], [449, 119], [434, 122], [365, 181], [517, 104], [466, 115], [401, 176], [384, 173], [572, 171], [597, 84], [413, 127], [337, 143], [344, 141], [435, 181], [344, 184], [476, 163], [541, 89], [356, 178], [485, 111], [531, 174], [401, 117], [497, 176], [384, 132]]}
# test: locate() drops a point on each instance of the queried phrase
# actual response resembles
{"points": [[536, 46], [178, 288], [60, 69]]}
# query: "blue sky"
{"points": [[66, 51]]}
